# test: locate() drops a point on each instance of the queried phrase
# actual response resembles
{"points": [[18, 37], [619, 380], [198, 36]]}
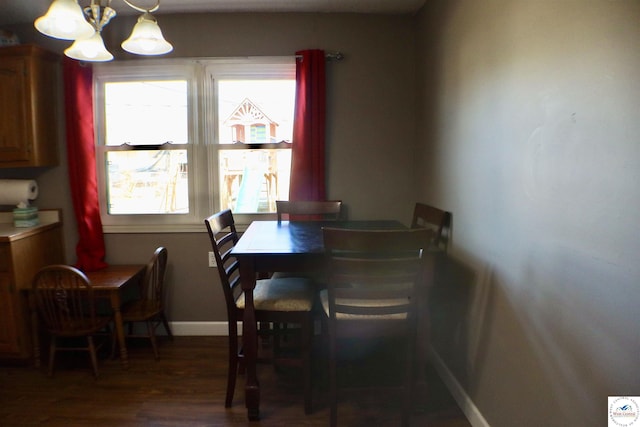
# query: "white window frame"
{"points": [[202, 149]]}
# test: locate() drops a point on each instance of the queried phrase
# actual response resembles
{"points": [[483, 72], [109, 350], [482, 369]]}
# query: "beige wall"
{"points": [[529, 135], [370, 117]]}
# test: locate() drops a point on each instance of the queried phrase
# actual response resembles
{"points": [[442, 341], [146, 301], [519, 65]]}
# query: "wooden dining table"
{"points": [[111, 282], [270, 246]]}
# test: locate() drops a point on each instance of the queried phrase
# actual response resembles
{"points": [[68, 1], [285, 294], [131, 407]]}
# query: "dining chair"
{"points": [[149, 307], [287, 300], [309, 209], [374, 287], [64, 304], [438, 220], [431, 217]]}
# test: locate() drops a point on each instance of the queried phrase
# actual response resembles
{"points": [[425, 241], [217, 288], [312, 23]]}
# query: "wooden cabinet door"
{"points": [[9, 342], [20, 259], [15, 139], [29, 101]]}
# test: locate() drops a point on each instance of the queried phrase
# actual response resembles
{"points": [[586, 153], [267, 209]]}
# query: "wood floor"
{"points": [[185, 387]]}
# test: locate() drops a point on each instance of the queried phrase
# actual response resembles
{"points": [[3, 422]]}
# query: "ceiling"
{"points": [[22, 11]]}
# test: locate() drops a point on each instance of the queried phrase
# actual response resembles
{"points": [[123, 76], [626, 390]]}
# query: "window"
{"points": [[254, 149], [177, 140], [145, 139]]}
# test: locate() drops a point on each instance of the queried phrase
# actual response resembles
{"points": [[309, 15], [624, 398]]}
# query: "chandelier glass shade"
{"points": [[67, 20], [64, 20], [146, 38], [89, 49]]}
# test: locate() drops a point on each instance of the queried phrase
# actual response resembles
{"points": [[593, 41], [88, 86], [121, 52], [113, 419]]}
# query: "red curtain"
{"points": [[78, 91], [308, 150]]}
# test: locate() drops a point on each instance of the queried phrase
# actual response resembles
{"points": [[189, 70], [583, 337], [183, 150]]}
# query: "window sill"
{"points": [[242, 222]]}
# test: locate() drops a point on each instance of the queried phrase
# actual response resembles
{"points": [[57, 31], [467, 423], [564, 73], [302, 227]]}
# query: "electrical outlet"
{"points": [[212, 260]]}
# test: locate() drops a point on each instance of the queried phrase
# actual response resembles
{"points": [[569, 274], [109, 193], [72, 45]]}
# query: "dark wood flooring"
{"points": [[185, 387]]}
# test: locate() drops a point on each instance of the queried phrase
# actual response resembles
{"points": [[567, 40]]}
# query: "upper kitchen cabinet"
{"points": [[29, 90]]}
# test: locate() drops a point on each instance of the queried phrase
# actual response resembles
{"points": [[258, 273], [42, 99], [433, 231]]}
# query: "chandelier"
{"points": [[67, 20]]}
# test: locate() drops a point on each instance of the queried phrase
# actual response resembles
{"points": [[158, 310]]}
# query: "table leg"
{"points": [[117, 320], [250, 340]]}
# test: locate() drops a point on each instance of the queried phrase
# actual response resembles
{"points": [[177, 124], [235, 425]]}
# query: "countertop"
{"points": [[48, 219]]}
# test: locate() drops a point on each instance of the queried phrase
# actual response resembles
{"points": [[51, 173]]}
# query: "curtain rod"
{"points": [[333, 56]]}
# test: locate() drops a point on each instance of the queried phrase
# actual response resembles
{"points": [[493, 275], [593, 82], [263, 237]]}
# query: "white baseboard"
{"points": [[201, 328], [465, 403]]}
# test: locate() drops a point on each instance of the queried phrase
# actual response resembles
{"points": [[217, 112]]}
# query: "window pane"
{"points": [[252, 180], [254, 112], [147, 182], [146, 112]]}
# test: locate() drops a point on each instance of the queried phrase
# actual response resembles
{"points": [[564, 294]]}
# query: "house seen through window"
{"points": [[255, 138]]}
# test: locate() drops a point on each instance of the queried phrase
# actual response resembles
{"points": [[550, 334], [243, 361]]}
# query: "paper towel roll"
{"points": [[14, 191]]}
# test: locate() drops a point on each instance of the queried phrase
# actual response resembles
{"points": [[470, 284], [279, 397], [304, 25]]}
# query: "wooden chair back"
{"points": [[149, 306], [152, 286], [302, 210], [65, 301], [374, 274], [224, 236], [438, 220]]}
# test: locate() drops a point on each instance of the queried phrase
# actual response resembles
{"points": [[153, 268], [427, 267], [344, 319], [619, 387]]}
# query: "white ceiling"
{"points": [[21, 11]]}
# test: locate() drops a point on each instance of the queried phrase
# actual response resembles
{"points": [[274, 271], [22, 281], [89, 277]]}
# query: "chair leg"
{"points": [[264, 333], [408, 381], [307, 344], [92, 354], [241, 364], [152, 337], [166, 326], [333, 381], [276, 339], [114, 344], [232, 369], [35, 337], [52, 354]]}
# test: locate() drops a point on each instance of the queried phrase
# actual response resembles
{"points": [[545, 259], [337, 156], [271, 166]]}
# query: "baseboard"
{"points": [[201, 328], [465, 403]]}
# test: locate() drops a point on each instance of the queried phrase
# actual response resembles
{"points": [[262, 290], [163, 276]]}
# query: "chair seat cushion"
{"points": [[324, 300], [283, 294]]}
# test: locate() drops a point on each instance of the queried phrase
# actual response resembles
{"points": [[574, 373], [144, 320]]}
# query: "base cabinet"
{"points": [[21, 256]]}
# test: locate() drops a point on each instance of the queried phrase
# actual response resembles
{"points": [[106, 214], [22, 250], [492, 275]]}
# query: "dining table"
{"points": [[108, 284], [111, 282], [271, 246]]}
